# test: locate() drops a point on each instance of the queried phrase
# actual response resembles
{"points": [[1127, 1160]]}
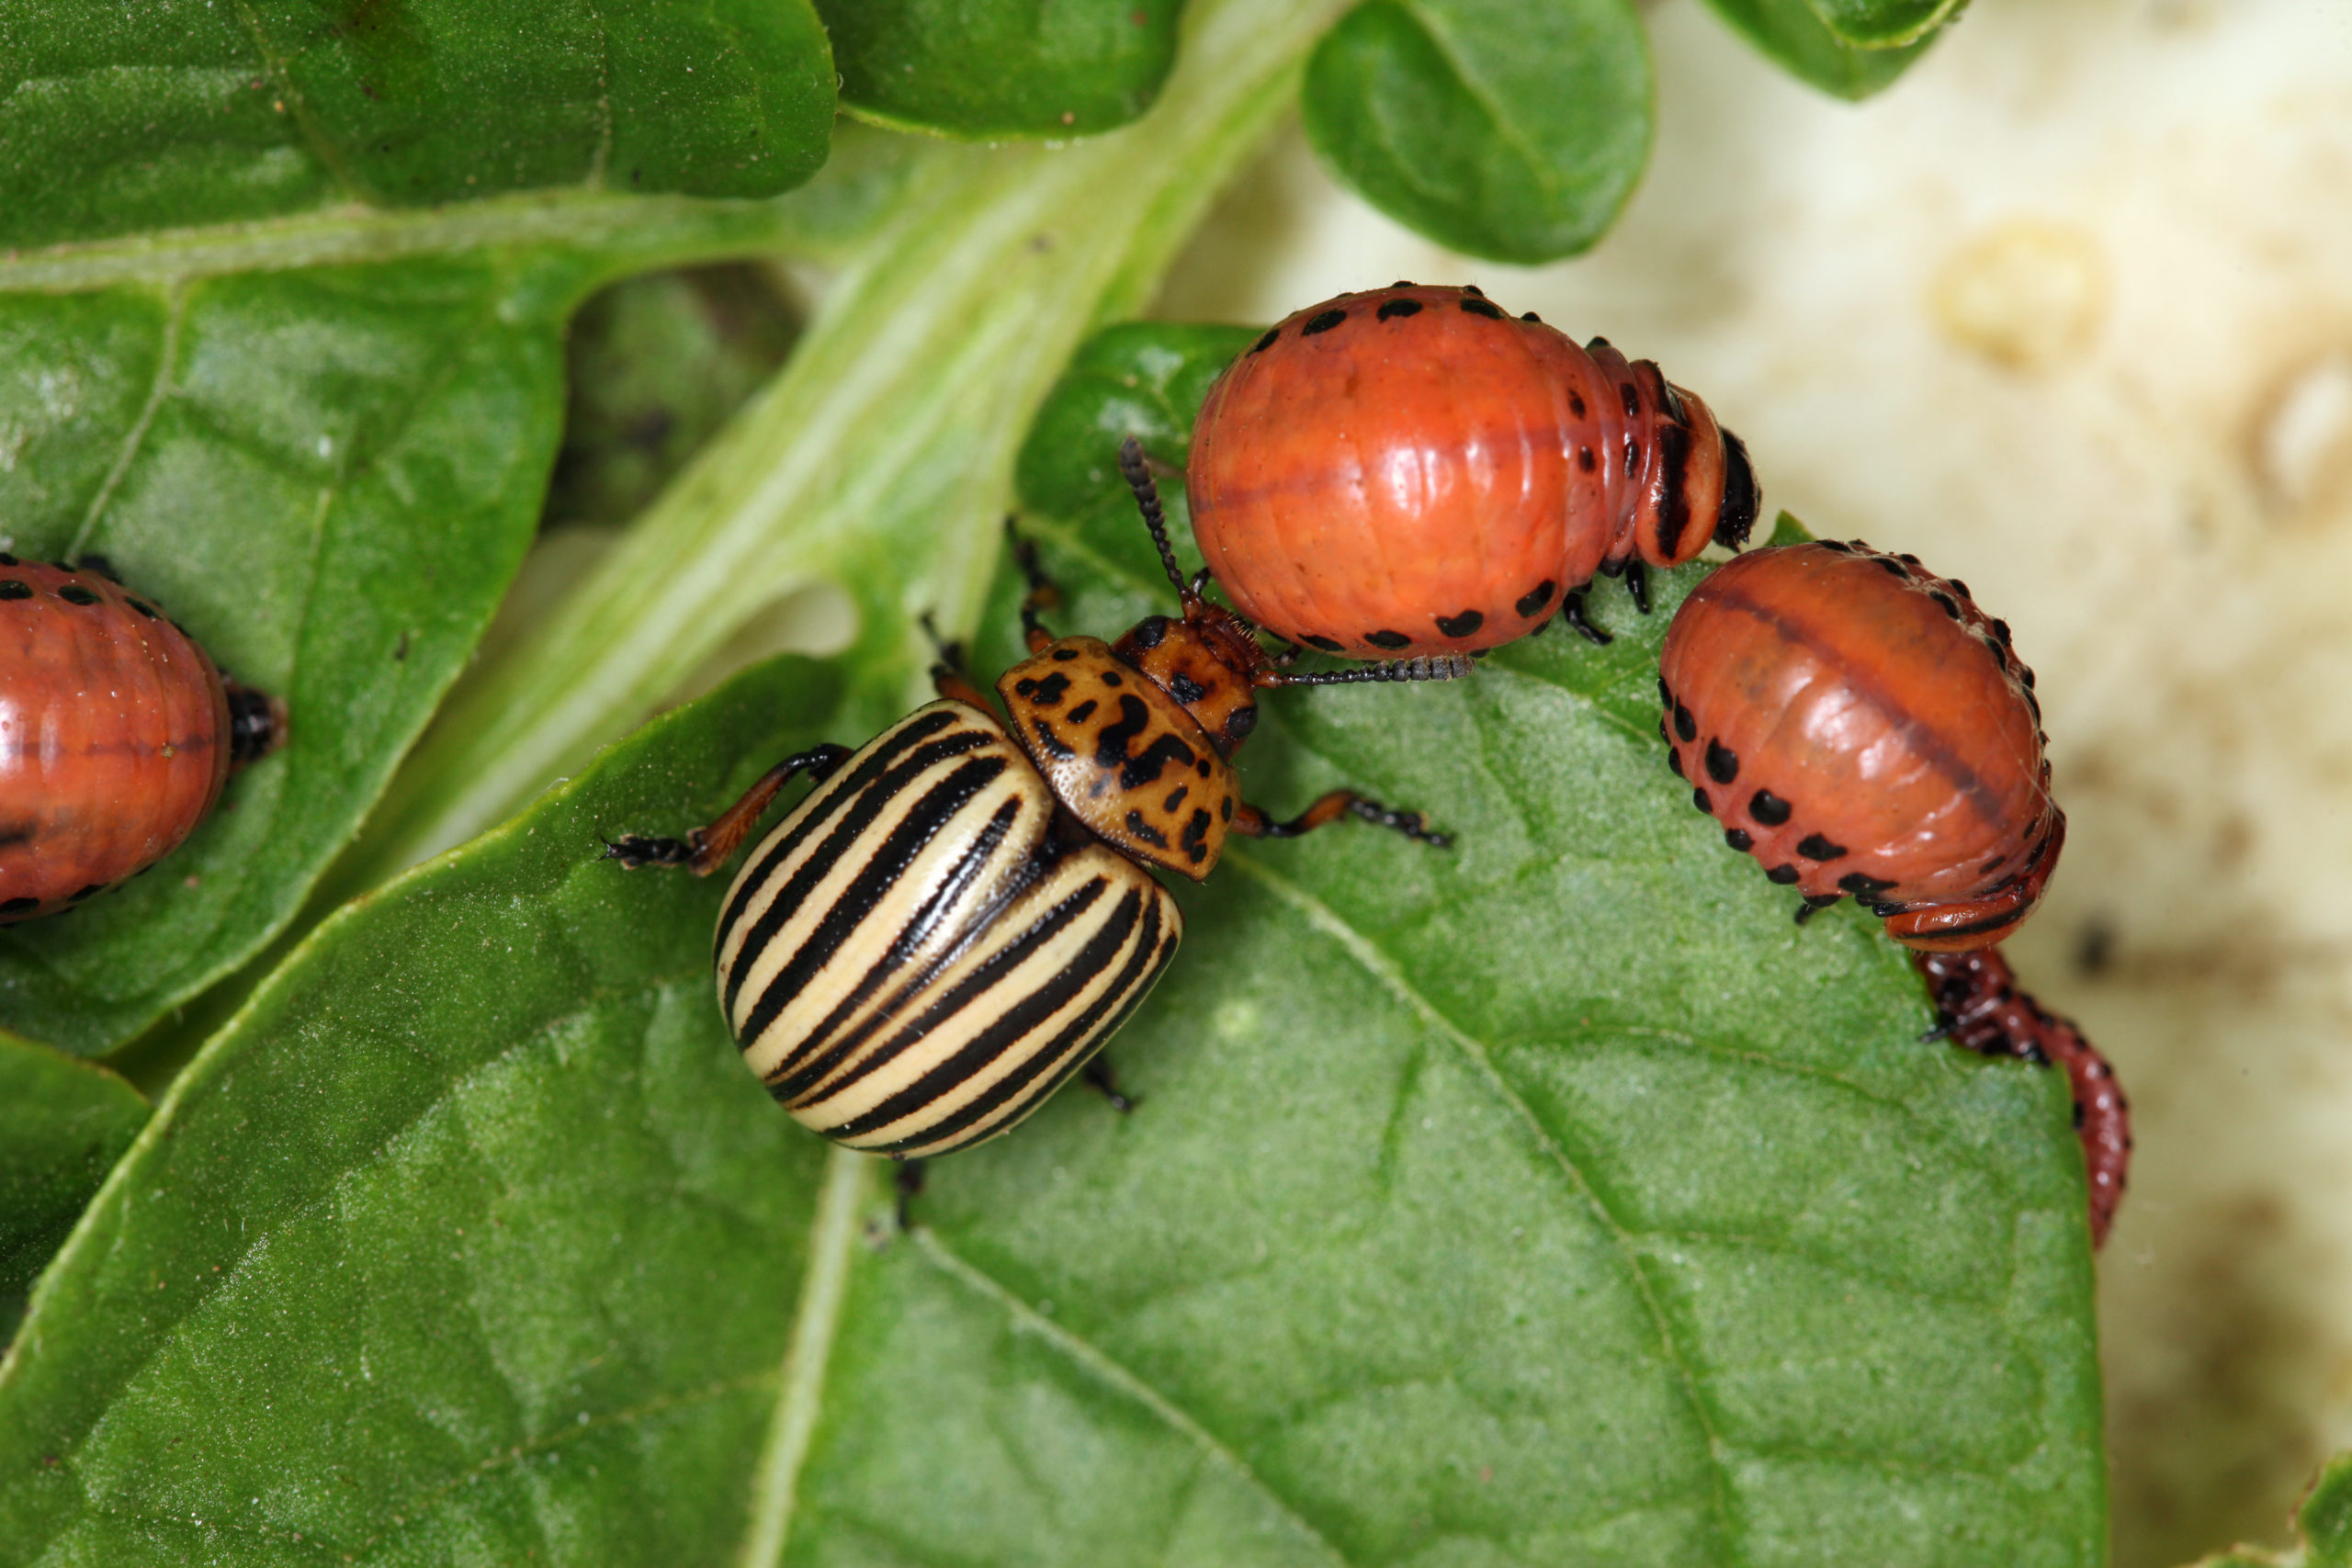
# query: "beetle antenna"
{"points": [[1435, 667], [1138, 476]]}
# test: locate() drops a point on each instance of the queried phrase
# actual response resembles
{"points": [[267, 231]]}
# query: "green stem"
{"points": [[887, 443]]}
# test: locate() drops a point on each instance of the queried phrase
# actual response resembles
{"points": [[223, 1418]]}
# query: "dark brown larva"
{"points": [[116, 734], [1979, 1005]]}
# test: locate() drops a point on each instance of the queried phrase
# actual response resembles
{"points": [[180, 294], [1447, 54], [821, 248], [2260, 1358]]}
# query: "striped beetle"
{"points": [[961, 911]]}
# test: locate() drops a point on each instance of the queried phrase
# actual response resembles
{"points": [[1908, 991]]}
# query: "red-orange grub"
{"points": [[1413, 471], [1858, 725], [116, 735]]}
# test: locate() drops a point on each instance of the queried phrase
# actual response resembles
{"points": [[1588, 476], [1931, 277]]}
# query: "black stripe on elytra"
{"points": [[850, 827], [922, 926], [1075, 1059], [890, 1015], [1673, 501], [1025, 1019], [990, 1042], [845, 788], [882, 867]]}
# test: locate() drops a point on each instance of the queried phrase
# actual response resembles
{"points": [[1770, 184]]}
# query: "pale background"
{"points": [[2068, 313]]}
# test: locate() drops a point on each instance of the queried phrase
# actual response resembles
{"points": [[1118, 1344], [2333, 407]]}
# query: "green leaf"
{"points": [[2323, 1519], [1142, 378], [1552, 1198], [1792, 35], [993, 68], [1884, 23], [657, 363], [1504, 130], [320, 441], [174, 112], [63, 1126]]}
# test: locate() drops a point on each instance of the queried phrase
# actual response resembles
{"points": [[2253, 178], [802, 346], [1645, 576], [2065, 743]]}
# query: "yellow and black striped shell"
{"points": [[919, 953], [1122, 754]]}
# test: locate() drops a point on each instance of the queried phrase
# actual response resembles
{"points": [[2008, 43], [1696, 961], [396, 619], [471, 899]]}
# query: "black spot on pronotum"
{"points": [[1064, 655], [1387, 640], [1196, 837], [1723, 762], [1322, 322], [1813, 846], [1224, 809], [1141, 830], [1084, 711], [1684, 724], [1267, 342], [1463, 625], [1768, 808], [1783, 875], [1862, 883], [1535, 598], [14, 588], [1328, 644], [1699, 798], [1049, 691], [1175, 797], [1739, 839], [74, 594], [1395, 307], [1150, 631], [1186, 690], [1111, 678], [1483, 308]]}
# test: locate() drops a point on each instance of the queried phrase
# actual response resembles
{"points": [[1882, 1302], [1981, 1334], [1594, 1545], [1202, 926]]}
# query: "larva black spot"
{"points": [[1535, 598], [1768, 808], [1699, 798], [1328, 644], [92, 891], [1575, 405], [1684, 724], [14, 588], [143, 607], [1813, 846], [7, 559], [1894, 567], [1267, 342], [1664, 694], [1838, 545], [1633, 456], [1474, 289], [1861, 884], [1532, 316], [1960, 588], [1395, 307], [74, 594], [17, 905], [1945, 603], [1323, 322], [1723, 762], [1739, 839], [1584, 458], [1908, 559], [1783, 875], [1463, 625], [1673, 757], [1482, 307], [1387, 640], [1631, 398], [2001, 633]]}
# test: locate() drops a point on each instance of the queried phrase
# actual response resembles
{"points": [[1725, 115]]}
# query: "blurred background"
{"points": [[2068, 312]]}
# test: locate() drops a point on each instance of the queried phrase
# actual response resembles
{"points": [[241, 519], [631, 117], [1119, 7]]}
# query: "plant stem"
{"points": [[885, 444]]}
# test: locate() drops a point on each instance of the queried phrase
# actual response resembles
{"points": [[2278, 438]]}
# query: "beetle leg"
{"points": [[908, 1179], [948, 676], [1104, 1082], [704, 850], [1251, 822], [1572, 612], [1044, 593]]}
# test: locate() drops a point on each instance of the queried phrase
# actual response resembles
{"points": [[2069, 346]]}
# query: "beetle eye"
{"points": [[1241, 723]]}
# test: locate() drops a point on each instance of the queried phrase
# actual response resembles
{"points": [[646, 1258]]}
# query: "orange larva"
{"points": [[1859, 726], [1414, 472], [116, 735]]}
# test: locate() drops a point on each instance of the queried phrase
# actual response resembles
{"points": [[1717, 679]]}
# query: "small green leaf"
{"points": [[2323, 1519], [63, 1126], [1145, 380], [177, 112], [1884, 23], [657, 363], [1002, 68], [1792, 34], [1503, 131]]}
